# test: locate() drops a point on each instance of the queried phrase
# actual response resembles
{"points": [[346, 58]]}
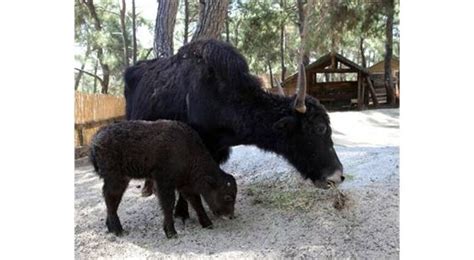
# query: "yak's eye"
{"points": [[321, 129]]}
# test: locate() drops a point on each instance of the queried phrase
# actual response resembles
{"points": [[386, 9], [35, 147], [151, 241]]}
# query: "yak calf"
{"points": [[173, 156]]}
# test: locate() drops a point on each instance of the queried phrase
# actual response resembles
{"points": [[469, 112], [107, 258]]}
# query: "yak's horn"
{"points": [[301, 90], [279, 87]]}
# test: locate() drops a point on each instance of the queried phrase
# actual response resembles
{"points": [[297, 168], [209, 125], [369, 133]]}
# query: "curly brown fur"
{"points": [[172, 155]]}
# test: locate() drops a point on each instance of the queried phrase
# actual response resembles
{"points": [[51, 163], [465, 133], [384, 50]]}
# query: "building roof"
{"points": [[379, 66], [326, 60]]}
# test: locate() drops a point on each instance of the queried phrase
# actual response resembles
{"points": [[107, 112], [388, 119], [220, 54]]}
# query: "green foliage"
{"points": [[332, 25], [260, 35], [254, 28], [109, 38]]}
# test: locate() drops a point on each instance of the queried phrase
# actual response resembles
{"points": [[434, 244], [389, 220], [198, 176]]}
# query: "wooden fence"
{"points": [[93, 111]]}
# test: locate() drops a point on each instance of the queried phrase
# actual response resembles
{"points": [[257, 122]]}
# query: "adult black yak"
{"points": [[207, 84]]}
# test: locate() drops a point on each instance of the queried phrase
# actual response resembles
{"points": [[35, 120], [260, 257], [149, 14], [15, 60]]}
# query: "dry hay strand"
{"points": [[341, 198]]}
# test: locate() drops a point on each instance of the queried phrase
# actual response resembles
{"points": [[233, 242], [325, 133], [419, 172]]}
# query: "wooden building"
{"points": [[336, 82], [377, 72]]}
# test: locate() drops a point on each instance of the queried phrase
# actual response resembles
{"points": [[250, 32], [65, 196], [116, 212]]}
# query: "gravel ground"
{"points": [[278, 215]]}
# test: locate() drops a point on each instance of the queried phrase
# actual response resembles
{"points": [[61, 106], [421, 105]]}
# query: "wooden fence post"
{"points": [[80, 135]]}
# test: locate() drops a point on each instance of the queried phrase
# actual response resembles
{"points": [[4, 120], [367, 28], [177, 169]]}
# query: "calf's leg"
{"points": [[182, 210], [112, 191], [167, 199], [196, 203]]}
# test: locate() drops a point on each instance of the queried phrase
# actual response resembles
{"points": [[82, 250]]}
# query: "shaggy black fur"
{"points": [[207, 84], [170, 153]]}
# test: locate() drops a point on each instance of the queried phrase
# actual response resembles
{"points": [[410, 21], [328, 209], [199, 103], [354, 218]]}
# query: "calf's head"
{"points": [[306, 139], [220, 193]]}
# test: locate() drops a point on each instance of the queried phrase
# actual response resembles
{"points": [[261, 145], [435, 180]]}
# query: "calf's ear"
{"points": [[286, 124]]}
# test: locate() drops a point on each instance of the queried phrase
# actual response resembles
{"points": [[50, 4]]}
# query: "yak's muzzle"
{"points": [[330, 181]]}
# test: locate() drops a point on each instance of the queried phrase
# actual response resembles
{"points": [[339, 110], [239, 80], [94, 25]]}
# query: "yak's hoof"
{"points": [[181, 213], [114, 226]]}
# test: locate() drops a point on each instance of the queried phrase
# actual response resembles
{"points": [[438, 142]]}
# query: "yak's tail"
{"points": [[93, 159], [132, 77]]}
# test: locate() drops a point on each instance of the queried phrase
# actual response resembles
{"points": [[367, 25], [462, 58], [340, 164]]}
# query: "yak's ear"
{"points": [[287, 124]]}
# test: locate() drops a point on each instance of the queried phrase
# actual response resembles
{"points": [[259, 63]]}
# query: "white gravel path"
{"points": [[279, 215]]}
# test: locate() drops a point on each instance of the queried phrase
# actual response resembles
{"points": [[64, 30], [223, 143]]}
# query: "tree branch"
{"points": [[148, 53], [90, 74]]}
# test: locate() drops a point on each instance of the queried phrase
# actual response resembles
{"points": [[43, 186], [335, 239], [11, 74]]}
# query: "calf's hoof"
{"points": [[171, 233], [207, 224], [114, 226]]}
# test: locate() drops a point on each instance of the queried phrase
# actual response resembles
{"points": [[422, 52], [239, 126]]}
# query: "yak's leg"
{"points": [[220, 145], [113, 190], [196, 203], [181, 210], [167, 198], [147, 189]]}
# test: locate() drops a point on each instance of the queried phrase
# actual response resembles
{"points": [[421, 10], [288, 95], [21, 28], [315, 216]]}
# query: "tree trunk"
{"points": [[271, 73], [301, 22], [105, 72], [105, 80], [362, 52], [164, 27], [282, 50], [186, 21], [90, 6], [388, 54], [134, 33], [100, 52], [333, 43], [227, 27], [342, 76], [126, 55], [95, 79], [81, 72], [211, 19], [79, 76], [236, 36]]}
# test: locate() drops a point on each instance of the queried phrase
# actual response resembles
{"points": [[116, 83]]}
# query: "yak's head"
{"points": [[307, 138]]}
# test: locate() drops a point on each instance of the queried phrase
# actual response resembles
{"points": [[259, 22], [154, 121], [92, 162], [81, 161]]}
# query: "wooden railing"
{"points": [[93, 111]]}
